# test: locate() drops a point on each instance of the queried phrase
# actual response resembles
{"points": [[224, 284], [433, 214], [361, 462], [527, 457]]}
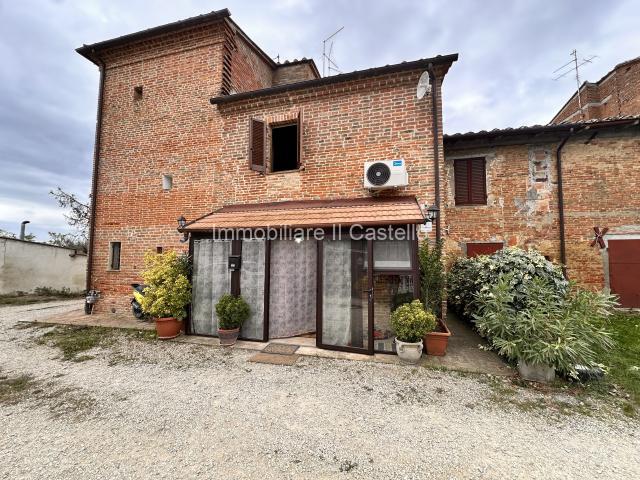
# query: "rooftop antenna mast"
{"points": [[574, 66], [328, 64]]}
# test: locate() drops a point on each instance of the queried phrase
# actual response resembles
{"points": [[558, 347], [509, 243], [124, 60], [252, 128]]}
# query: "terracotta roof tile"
{"points": [[313, 213]]}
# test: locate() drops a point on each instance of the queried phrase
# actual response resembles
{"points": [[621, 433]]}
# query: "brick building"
{"points": [[522, 201], [195, 118], [615, 94], [196, 122]]}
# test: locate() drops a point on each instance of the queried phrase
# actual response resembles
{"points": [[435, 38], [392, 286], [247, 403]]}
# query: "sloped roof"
{"points": [[343, 77], [550, 128], [400, 210]]}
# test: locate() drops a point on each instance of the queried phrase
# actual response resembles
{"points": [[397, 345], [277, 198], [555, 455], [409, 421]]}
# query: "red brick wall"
{"points": [[173, 129], [600, 181], [618, 93], [344, 125], [296, 72], [249, 71]]}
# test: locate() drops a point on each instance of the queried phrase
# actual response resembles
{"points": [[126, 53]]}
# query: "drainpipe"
{"points": [[96, 163], [563, 246], [436, 143], [23, 226]]}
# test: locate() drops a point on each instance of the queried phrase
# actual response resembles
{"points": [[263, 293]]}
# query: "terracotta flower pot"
{"points": [[228, 337], [435, 343], [168, 327]]}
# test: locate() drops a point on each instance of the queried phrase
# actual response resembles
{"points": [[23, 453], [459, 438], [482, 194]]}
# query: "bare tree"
{"points": [[77, 216]]}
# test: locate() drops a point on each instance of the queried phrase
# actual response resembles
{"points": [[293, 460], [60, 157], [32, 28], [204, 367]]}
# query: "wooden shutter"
{"points": [[257, 150], [300, 131], [461, 181], [470, 181], [478, 182]]}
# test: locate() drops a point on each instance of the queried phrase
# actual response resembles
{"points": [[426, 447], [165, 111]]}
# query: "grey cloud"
{"points": [[508, 51]]}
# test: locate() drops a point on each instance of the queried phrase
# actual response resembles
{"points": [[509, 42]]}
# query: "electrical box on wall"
{"points": [[234, 262]]}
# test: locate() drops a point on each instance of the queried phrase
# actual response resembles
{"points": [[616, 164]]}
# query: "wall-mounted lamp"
{"points": [[182, 222], [431, 214]]}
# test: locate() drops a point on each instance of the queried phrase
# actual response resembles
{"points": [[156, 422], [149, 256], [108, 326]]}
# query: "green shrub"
{"points": [[167, 291], [471, 276], [548, 327], [411, 322], [400, 299], [432, 276], [232, 312]]}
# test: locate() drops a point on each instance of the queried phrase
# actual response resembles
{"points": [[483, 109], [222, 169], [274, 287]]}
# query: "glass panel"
{"points": [[210, 280], [391, 254], [252, 287], [344, 293], [292, 302], [389, 292]]}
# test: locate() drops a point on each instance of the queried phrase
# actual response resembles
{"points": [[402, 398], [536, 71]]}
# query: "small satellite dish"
{"points": [[424, 85]]}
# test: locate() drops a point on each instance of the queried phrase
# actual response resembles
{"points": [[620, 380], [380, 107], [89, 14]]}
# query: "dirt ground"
{"points": [[100, 404]]}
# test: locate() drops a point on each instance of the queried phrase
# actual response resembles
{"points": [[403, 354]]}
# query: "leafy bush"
{"points": [[432, 277], [471, 276], [547, 327], [232, 312], [167, 290], [400, 299], [411, 322]]}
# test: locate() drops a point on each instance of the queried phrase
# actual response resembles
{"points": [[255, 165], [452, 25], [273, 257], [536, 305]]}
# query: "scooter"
{"points": [[136, 301], [89, 300]]}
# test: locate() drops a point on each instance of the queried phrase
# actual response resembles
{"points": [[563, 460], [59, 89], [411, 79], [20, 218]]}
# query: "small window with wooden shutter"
{"points": [[257, 151], [470, 181]]}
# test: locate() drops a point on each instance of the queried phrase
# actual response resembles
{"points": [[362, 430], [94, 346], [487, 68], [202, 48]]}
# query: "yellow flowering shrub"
{"points": [[167, 291]]}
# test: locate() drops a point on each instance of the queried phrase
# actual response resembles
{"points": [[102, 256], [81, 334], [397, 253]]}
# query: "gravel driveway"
{"points": [[146, 409]]}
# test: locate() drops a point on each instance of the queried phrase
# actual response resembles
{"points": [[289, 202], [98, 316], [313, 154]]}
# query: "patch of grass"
{"points": [[624, 359], [74, 340], [14, 389], [40, 294], [62, 401]]}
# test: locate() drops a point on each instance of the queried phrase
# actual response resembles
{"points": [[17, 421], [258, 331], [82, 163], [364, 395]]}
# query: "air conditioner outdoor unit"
{"points": [[385, 174]]}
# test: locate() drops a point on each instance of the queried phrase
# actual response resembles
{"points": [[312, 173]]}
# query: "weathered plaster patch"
{"points": [[535, 206]]}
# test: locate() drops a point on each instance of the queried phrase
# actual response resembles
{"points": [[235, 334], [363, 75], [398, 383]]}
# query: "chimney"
{"points": [[23, 225]]}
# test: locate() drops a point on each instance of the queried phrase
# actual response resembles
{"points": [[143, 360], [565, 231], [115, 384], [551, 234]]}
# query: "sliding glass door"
{"points": [[346, 296], [361, 282]]}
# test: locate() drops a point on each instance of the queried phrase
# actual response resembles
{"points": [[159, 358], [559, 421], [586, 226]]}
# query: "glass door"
{"points": [[345, 295]]}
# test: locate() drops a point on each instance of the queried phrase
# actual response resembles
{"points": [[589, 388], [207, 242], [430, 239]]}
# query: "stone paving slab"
{"points": [[281, 348], [274, 358]]}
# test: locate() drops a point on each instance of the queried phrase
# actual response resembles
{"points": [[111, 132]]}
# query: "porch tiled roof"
{"points": [[313, 213]]}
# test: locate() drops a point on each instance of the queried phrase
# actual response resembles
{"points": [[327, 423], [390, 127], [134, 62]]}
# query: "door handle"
{"points": [[370, 292]]}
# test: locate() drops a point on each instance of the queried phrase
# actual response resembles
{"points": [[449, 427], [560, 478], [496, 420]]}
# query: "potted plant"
{"points": [[436, 342], [411, 322], [167, 292], [232, 312]]}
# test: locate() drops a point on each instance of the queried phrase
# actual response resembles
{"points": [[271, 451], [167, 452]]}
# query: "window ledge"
{"points": [[283, 172]]}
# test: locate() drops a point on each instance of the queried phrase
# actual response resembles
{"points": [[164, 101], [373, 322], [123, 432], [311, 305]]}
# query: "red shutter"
{"points": [[478, 184], [257, 137], [461, 181], [470, 181], [300, 131]]}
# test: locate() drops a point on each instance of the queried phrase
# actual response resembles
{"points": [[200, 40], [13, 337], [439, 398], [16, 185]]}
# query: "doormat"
{"points": [[281, 348], [274, 358]]}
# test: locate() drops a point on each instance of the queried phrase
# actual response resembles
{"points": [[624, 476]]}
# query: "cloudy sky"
{"points": [[508, 52]]}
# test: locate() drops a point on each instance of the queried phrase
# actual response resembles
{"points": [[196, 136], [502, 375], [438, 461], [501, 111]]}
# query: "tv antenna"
{"points": [[573, 66], [328, 63]]}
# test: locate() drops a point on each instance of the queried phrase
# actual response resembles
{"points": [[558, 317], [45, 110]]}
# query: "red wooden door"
{"points": [[475, 249], [624, 271]]}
